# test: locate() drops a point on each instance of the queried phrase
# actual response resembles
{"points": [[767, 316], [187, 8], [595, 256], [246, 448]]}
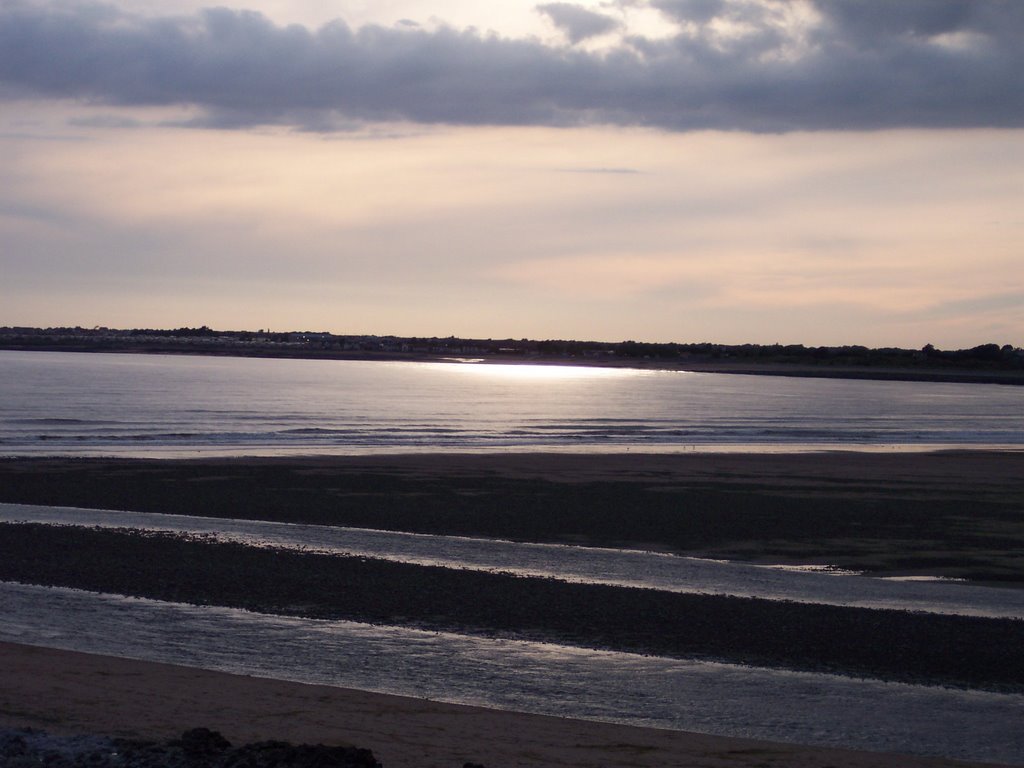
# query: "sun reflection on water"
{"points": [[541, 372]]}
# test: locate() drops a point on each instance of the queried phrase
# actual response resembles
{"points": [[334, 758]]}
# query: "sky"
{"points": [[823, 172]]}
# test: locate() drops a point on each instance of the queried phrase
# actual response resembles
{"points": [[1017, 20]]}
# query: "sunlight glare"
{"points": [[532, 372]]}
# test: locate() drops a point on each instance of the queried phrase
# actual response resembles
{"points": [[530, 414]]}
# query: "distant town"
{"points": [[988, 363]]}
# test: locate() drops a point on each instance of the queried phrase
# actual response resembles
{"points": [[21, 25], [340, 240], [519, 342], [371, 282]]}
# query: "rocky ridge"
{"points": [[197, 748]]}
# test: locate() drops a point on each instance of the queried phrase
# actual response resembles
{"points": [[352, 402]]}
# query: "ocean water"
{"points": [[150, 405]]}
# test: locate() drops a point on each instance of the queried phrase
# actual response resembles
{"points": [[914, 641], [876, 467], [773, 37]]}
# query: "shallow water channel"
{"points": [[527, 676], [617, 567]]}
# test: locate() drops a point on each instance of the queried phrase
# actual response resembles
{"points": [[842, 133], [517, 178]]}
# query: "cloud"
{"points": [[105, 121], [754, 65], [578, 23], [699, 11], [871, 19], [611, 171]]}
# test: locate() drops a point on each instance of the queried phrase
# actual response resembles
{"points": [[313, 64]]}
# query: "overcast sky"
{"points": [[800, 171]]}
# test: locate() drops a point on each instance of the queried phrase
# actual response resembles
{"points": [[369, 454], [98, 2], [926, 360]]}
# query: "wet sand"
{"points": [[901, 646], [954, 513], [72, 693], [948, 513]]}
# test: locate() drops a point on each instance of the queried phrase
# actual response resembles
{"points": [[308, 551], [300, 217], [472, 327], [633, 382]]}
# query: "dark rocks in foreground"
{"points": [[197, 748]]}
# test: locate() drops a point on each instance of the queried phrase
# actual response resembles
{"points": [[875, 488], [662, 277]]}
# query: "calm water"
{"points": [[67, 403], [527, 676]]}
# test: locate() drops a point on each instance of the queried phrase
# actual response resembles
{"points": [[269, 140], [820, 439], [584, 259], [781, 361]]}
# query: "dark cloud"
{"points": [[699, 11], [906, 17], [105, 121], [578, 23], [867, 64]]}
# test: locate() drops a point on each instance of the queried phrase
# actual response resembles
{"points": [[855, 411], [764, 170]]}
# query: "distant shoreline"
{"points": [[741, 368]]}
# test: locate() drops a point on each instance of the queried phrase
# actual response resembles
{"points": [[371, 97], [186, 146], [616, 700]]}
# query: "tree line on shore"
{"points": [[989, 356]]}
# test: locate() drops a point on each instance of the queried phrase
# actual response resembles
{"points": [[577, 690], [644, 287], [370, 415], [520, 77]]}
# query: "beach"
{"points": [[923, 514], [64, 692]]}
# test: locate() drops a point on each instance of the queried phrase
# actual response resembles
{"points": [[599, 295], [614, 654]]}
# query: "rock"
{"points": [[279, 754], [12, 745], [202, 743], [197, 748]]}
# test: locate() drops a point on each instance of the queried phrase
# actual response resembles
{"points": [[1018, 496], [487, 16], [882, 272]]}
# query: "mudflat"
{"points": [[953, 514], [963, 651], [949, 513], [957, 513]]}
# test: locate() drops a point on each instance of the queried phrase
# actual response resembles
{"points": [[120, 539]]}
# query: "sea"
{"points": [[164, 405], [91, 404]]}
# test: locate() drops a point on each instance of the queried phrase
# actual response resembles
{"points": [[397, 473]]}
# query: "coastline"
{"points": [[66, 692]]}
